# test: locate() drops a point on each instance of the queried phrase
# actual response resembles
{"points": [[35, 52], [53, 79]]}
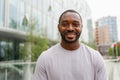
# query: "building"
{"points": [[105, 33], [90, 31], [102, 39]]}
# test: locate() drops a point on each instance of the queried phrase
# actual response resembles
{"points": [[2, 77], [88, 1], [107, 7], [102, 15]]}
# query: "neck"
{"points": [[70, 46]]}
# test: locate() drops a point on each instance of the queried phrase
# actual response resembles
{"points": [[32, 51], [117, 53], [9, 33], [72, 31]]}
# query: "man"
{"points": [[70, 59]]}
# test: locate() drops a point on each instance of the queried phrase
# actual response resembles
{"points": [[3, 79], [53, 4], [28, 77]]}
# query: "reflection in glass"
{"points": [[2, 12]]}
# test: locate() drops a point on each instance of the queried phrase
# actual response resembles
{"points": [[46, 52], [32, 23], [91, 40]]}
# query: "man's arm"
{"points": [[100, 69], [40, 72]]}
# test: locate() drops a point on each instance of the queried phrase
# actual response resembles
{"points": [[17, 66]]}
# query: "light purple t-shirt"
{"points": [[58, 63]]}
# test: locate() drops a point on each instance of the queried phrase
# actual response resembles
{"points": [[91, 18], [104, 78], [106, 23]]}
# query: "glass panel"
{"points": [[16, 14], [13, 14], [15, 70], [20, 15], [10, 50], [2, 12]]}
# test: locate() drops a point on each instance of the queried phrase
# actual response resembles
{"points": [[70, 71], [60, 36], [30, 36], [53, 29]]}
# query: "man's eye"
{"points": [[76, 25], [65, 24]]}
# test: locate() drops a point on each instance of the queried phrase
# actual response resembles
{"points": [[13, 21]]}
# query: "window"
{"points": [[2, 12]]}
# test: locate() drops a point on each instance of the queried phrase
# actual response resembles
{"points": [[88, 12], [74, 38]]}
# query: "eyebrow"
{"points": [[76, 21], [67, 21]]}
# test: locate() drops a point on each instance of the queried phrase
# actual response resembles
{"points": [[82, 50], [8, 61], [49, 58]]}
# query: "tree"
{"points": [[110, 51], [92, 45], [115, 50], [34, 45], [38, 46]]}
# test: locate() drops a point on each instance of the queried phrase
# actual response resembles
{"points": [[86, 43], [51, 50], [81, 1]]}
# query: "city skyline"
{"points": [[104, 8], [105, 34]]}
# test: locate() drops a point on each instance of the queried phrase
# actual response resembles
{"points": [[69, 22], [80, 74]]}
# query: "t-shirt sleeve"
{"points": [[100, 69], [40, 72]]}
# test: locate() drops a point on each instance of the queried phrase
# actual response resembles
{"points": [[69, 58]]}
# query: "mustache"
{"points": [[70, 31]]}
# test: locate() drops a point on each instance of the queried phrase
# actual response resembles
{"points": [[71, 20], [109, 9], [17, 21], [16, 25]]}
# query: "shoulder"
{"points": [[89, 49], [97, 62], [95, 55], [49, 52], [52, 50]]}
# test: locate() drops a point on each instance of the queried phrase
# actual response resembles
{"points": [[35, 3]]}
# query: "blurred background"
{"points": [[28, 27]]}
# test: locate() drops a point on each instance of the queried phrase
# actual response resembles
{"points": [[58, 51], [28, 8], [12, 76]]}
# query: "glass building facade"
{"points": [[111, 22], [16, 14], [90, 31], [106, 33], [2, 12]]}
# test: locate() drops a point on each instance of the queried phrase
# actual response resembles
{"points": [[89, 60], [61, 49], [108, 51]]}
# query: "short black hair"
{"points": [[69, 10]]}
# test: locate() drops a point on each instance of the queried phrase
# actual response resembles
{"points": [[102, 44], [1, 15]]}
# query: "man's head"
{"points": [[70, 26]]}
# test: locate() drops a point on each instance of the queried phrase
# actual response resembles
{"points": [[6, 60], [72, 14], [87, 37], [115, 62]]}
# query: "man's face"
{"points": [[70, 27]]}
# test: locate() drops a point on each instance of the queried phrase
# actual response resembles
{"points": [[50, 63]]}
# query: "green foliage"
{"points": [[92, 45], [118, 48], [34, 45], [23, 51], [110, 51], [114, 51], [38, 46]]}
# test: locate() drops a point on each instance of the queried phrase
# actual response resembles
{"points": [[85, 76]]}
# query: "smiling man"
{"points": [[70, 59]]}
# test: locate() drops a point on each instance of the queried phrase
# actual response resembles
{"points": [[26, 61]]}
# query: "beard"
{"points": [[64, 38]]}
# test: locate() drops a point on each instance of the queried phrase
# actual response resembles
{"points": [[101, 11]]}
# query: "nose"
{"points": [[70, 27]]}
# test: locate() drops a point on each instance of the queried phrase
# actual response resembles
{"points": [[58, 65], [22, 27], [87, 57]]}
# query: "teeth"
{"points": [[70, 35]]}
